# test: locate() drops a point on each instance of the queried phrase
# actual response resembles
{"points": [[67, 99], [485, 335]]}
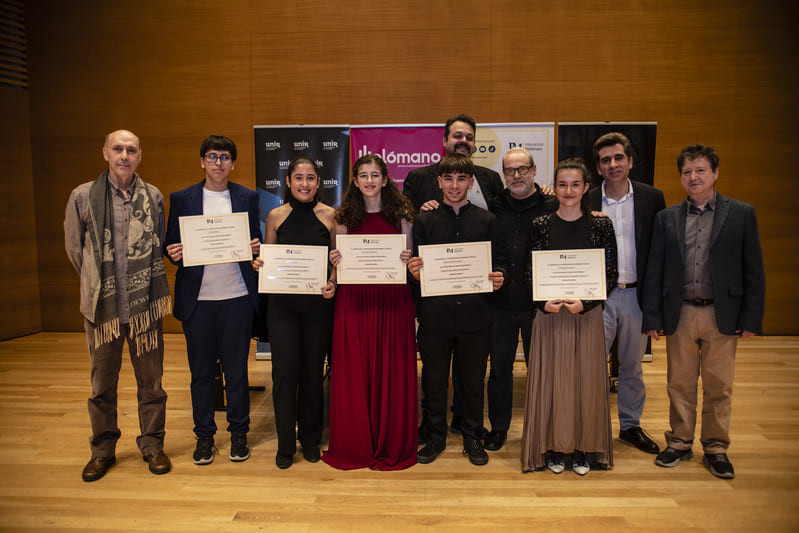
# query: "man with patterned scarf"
{"points": [[113, 230]]}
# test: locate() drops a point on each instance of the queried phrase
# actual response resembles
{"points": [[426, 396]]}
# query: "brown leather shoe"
{"points": [[159, 462], [97, 467]]}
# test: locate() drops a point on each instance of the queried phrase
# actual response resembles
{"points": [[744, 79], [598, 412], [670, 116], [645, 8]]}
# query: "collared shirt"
{"points": [[120, 200], [622, 214], [698, 228], [462, 312], [476, 196]]}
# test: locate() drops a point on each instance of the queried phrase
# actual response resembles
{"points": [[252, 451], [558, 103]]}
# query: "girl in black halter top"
{"points": [[300, 325]]}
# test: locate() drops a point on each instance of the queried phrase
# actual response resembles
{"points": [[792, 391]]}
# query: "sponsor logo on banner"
{"points": [[329, 145], [301, 145], [402, 158], [271, 183], [271, 146]]}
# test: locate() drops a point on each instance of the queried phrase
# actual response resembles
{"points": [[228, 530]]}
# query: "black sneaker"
{"points": [[239, 451], [474, 449], [204, 452], [671, 457], [430, 451], [719, 465]]}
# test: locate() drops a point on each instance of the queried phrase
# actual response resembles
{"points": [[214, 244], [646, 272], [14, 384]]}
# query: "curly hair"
{"points": [[395, 206]]}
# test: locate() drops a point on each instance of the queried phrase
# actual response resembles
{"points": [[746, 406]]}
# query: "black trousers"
{"points": [[436, 347], [219, 329], [300, 329]]}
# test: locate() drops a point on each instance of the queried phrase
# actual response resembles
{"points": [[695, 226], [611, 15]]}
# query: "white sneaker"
{"points": [[580, 464], [555, 462]]}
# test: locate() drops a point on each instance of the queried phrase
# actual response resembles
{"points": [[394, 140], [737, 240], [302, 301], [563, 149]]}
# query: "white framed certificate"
{"points": [[292, 269], [455, 268], [215, 239], [569, 274], [371, 259]]}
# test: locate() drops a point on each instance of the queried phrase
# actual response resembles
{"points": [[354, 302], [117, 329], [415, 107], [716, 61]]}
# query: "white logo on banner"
{"points": [[301, 145], [271, 146], [403, 158]]}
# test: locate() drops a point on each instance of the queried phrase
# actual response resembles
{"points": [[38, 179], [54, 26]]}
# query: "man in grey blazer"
{"points": [[704, 288], [631, 206]]}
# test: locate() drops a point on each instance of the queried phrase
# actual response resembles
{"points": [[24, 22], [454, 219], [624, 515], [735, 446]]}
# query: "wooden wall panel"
{"points": [[721, 73], [19, 297]]}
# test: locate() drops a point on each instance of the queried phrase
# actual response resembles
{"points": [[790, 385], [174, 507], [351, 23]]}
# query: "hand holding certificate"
{"points": [[292, 269], [215, 239], [456, 268], [569, 274], [371, 259]]}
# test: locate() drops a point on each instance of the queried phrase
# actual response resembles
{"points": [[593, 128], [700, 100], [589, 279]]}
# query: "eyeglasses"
{"points": [[510, 172], [224, 158]]}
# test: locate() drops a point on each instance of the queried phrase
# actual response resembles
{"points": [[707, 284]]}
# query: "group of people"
{"points": [[692, 272]]}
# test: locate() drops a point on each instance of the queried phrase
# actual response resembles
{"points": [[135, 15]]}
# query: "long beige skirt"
{"points": [[566, 406]]}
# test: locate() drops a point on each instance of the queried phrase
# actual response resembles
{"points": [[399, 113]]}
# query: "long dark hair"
{"points": [[394, 206], [293, 164]]}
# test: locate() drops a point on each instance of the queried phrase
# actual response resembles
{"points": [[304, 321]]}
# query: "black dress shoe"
{"points": [[284, 461], [474, 449], [639, 439], [97, 467], [430, 451], [159, 463], [495, 440], [311, 454]]}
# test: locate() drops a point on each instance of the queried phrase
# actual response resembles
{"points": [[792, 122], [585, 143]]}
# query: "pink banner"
{"points": [[403, 148]]}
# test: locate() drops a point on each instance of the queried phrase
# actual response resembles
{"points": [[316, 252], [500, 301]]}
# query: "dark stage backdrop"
{"points": [[576, 139]]}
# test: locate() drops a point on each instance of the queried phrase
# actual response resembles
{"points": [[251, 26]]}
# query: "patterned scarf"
{"points": [[148, 291]]}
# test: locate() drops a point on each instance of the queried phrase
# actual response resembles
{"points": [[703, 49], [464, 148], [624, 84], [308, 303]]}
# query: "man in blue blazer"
{"points": [[632, 206], [704, 288], [216, 303]]}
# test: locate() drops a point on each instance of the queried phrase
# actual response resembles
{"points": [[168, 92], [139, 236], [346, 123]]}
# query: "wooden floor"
{"points": [[44, 431]]}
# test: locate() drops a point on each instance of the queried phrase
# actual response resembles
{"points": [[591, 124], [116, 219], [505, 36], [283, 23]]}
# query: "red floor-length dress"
{"points": [[373, 386]]}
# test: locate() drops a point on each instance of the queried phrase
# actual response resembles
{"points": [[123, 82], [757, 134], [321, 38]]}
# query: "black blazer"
{"points": [[736, 269], [647, 202], [421, 185], [188, 202]]}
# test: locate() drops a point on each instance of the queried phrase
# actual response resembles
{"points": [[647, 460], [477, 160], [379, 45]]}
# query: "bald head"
{"points": [[123, 153], [128, 133]]}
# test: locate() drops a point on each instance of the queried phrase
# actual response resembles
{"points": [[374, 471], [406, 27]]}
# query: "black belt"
{"points": [[701, 302], [632, 285]]}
